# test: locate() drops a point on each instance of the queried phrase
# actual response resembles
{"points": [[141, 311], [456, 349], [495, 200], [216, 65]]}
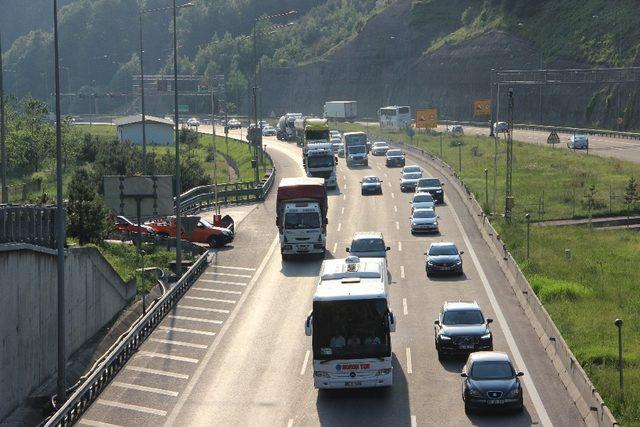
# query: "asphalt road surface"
{"points": [[234, 352]]}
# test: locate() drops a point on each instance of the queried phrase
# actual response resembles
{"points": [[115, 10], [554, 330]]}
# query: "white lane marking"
{"points": [[395, 208], [345, 185], [344, 177], [172, 420], [290, 422], [344, 197], [414, 421], [144, 388], [207, 309], [232, 268], [339, 227], [222, 291], [223, 282], [304, 363], [188, 331], [385, 175], [93, 423], [405, 309], [402, 271], [167, 356], [533, 391], [409, 366], [157, 372], [399, 246], [227, 301], [389, 184], [195, 319], [179, 343], [137, 408], [393, 196], [335, 247], [397, 225], [215, 273], [342, 211]]}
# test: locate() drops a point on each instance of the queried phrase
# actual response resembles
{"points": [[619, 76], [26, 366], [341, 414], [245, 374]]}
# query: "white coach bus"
{"points": [[350, 325], [394, 117]]}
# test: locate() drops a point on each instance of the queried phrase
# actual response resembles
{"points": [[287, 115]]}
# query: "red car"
{"points": [[203, 232], [125, 226]]}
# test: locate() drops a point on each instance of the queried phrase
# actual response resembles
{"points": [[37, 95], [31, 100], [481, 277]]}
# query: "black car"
{"points": [[461, 329], [444, 258], [371, 185], [490, 382], [432, 186], [394, 158]]}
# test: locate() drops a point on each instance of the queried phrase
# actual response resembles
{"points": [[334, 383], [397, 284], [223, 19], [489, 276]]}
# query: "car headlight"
{"points": [[385, 371], [429, 262], [473, 392], [458, 262], [435, 223], [444, 337], [486, 336], [514, 393], [438, 191]]}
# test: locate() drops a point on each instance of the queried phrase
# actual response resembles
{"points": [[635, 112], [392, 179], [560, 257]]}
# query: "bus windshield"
{"points": [[352, 329]]}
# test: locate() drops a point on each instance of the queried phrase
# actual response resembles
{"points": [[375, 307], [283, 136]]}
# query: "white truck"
{"points": [[350, 325], [301, 216], [355, 145], [341, 111], [320, 162]]}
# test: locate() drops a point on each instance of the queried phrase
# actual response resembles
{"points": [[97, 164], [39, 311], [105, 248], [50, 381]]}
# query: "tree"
{"points": [[630, 196], [87, 216], [590, 198]]}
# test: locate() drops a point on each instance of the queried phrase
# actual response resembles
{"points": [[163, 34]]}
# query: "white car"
{"points": [[268, 130], [379, 148], [335, 144], [234, 124], [335, 134], [410, 169], [193, 122], [422, 201], [423, 221]]}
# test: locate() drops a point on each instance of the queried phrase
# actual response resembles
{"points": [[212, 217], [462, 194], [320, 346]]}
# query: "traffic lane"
{"points": [[555, 398]]}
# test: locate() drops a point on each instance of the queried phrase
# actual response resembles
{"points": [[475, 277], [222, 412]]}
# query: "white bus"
{"points": [[350, 325], [394, 117]]}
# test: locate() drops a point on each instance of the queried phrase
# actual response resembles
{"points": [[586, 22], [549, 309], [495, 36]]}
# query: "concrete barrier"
{"points": [[578, 385], [95, 294]]}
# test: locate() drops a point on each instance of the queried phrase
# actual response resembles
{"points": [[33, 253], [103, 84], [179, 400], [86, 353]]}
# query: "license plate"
{"points": [[303, 248], [495, 402], [466, 347], [353, 384]]}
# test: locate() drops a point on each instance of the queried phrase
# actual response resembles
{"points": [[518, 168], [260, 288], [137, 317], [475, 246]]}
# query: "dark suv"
{"points": [[461, 329], [432, 186]]}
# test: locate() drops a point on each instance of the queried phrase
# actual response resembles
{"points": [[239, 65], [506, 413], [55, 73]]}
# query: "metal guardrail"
{"points": [[82, 398]]}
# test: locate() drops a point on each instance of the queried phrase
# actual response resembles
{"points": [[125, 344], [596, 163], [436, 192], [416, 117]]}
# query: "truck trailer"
{"points": [[341, 111]]}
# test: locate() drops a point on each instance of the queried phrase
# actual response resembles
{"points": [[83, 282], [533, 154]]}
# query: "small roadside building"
{"points": [[159, 131]]}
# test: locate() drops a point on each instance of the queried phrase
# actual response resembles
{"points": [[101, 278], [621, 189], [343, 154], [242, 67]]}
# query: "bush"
{"points": [[88, 219], [549, 290]]}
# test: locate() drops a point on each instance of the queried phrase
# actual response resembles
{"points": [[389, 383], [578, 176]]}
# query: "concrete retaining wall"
{"points": [[95, 294], [577, 383]]}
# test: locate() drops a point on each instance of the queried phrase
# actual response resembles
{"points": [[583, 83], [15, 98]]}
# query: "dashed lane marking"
{"points": [[335, 247], [187, 331], [339, 227], [290, 422], [402, 271], [342, 211], [223, 282], [344, 197], [405, 309], [409, 366], [179, 343], [195, 319], [222, 291], [226, 301], [414, 421], [130, 407], [399, 246], [157, 372], [395, 208], [210, 310], [304, 363], [397, 225], [393, 196], [144, 388]]}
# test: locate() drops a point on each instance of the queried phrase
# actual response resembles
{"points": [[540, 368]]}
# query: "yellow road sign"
{"points": [[427, 118], [481, 107]]}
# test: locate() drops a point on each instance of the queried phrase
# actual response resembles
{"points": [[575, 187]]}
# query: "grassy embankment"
{"points": [[583, 295]]}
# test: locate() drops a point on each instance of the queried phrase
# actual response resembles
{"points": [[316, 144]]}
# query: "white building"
{"points": [[159, 131]]}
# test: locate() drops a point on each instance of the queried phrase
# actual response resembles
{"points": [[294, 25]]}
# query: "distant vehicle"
{"points": [[263, 123], [578, 142], [456, 130], [341, 110], [491, 382], [371, 185], [286, 127], [310, 130], [394, 117], [394, 157], [355, 144], [320, 162], [410, 168], [461, 329], [125, 226], [204, 232], [341, 150], [268, 130], [234, 124], [500, 127], [379, 148], [408, 181], [351, 325], [368, 244], [444, 258], [424, 221], [423, 201], [335, 134], [335, 143], [193, 122], [432, 186]]}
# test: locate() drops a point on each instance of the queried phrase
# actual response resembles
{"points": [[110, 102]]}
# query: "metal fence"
{"points": [[82, 397], [28, 224]]}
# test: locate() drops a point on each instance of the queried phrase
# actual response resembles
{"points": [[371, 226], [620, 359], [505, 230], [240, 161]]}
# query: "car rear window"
{"points": [[368, 245], [413, 175], [423, 198], [429, 182], [394, 153]]}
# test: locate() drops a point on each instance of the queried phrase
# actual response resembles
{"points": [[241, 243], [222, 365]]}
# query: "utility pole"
{"points": [[177, 129], [144, 121], [215, 155], [495, 174], [60, 224], [3, 149], [491, 77], [508, 203]]}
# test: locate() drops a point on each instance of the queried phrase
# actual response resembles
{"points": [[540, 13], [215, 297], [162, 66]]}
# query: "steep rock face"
{"points": [[385, 64]]}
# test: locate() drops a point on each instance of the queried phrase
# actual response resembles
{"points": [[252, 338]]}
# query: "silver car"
{"points": [[410, 168], [422, 201], [578, 142], [408, 181], [379, 148], [424, 221], [368, 244]]}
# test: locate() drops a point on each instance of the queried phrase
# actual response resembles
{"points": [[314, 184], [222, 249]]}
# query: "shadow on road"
{"points": [[302, 266]]}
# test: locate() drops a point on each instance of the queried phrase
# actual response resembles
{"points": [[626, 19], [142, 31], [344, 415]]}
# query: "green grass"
{"points": [[104, 131], [585, 294]]}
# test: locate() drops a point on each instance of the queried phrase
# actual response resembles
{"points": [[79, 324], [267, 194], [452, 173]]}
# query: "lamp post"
{"points": [[527, 216], [486, 188], [619, 323], [460, 157], [144, 121], [3, 150]]}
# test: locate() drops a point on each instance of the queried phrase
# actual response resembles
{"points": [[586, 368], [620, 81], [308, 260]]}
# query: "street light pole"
{"points": [[60, 223], [527, 216], [144, 119], [486, 188], [215, 156], [3, 149], [177, 136], [619, 323]]}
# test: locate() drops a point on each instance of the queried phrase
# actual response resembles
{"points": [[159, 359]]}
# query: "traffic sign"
{"points": [[553, 138], [481, 107], [427, 118]]}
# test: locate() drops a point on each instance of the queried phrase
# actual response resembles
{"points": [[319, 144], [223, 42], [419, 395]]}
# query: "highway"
{"points": [[234, 353]]}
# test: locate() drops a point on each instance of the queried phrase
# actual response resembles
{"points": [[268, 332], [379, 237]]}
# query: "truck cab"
{"points": [[320, 162], [355, 144]]}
